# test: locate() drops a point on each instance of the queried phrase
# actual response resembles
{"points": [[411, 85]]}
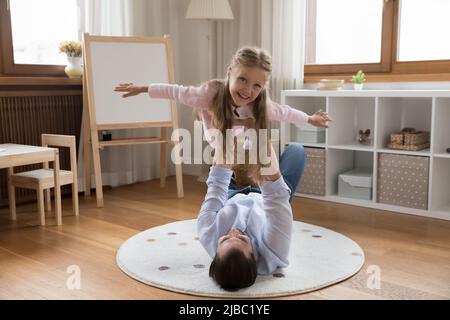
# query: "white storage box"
{"points": [[308, 134], [356, 184]]}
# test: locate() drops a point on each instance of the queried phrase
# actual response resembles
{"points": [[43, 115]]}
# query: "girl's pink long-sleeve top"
{"points": [[202, 98]]}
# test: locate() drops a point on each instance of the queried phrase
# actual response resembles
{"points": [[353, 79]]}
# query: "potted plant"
{"points": [[358, 80], [73, 51]]}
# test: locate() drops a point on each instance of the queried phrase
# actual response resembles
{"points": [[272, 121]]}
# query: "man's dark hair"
{"points": [[234, 270]]}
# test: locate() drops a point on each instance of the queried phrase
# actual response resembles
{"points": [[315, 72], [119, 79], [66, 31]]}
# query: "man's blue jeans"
{"points": [[292, 164]]}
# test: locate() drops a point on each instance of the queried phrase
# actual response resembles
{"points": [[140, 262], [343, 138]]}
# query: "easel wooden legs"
{"points": [[178, 171], [179, 176], [163, 166], [163, 159], [97, 168], [90, 148], [86, 142], [87, 163]]}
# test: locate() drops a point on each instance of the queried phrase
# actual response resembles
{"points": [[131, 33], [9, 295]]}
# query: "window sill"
{"points": [[383, 77], [39, 81]]}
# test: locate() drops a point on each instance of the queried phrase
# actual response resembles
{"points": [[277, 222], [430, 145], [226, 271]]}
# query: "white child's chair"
{"points": [[42, 179]]}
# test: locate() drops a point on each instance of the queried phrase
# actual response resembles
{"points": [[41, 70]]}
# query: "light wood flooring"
{"points": [[412, 253]]}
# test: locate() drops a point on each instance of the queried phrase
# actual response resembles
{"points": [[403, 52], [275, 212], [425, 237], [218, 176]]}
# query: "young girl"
{"points": [[238, 101]]}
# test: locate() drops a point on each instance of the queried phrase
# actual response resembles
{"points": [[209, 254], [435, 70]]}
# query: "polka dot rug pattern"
{"points": [[171, 257]]}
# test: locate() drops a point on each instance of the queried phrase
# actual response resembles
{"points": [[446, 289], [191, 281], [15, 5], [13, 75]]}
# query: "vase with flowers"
{"points": [[73, 51]]}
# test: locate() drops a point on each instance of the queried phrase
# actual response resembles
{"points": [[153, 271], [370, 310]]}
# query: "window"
{"points": [[353, 35], [378, 36], [31, 32], [427, 40], [36, 36]]}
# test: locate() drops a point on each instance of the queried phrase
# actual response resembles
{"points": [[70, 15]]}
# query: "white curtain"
{"points": [[122, 164], [109, 17], [243, 30], [288, 45]]}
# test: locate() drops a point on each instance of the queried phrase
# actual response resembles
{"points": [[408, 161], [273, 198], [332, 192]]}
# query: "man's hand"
{"points": [[130, 89], [219, 159], [319, 119], [270, 172]]}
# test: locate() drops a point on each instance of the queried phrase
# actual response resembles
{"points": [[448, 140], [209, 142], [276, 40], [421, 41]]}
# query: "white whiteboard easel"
{"points": [[109, 61]]}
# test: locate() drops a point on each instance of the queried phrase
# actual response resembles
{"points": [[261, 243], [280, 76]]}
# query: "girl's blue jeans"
{"points": [[292, 164]]}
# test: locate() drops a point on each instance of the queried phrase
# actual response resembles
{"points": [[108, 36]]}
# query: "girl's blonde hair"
{"points": [[221, 108], [248, 57]]}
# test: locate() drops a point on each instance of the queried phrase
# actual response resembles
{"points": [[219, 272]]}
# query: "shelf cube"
{"points": [[356, 184], [313, 179], [403, 180]]}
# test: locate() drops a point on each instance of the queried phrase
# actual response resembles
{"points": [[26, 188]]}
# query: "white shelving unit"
{"points": [[383, 112]]}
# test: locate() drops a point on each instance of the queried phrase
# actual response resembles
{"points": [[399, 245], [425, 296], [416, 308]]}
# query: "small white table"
{"points": [[13, 155]]}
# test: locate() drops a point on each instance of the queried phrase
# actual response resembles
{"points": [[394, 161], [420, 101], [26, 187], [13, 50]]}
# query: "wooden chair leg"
{"points": [[40, 197], [75, 199], [11, 195], [48, 200], [57, 186]]}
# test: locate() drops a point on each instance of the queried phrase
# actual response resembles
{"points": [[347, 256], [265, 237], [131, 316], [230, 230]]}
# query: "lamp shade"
{"points": [[209, 9]]}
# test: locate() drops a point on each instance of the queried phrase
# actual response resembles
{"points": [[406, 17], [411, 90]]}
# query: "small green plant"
{"points": [[359, 77]]}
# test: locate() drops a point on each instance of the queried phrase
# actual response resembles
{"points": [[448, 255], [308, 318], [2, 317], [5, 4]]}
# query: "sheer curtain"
{"points": [[243, 30], [109, 17], [288, 45], [283, 29], [121, 164]]}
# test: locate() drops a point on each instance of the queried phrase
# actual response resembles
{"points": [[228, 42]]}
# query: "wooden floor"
{"points": [[412, 253]]}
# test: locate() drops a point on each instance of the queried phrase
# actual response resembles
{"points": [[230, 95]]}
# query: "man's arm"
{"points": [[216, 196], [278, 228], [276, 193]]}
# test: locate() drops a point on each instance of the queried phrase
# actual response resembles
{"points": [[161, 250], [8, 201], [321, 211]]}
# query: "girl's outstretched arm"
{"points": [[285, 113], [197, 97]]}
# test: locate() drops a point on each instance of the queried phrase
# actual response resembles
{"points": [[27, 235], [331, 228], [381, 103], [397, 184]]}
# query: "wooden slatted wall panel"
{"points": [[24, 118]]}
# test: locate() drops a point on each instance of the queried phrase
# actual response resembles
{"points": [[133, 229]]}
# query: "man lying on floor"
{"points": [[247, 230]]}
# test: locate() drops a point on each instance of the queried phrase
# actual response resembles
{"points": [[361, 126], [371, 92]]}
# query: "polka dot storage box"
{"points": [[403, 180], [313, 179]]}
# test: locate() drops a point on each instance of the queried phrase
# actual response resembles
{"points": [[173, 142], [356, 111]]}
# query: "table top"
{"points": [[18, 154], [11, 148]]}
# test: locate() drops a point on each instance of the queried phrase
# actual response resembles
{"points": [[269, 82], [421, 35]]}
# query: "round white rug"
{"points": [[171, 257]]}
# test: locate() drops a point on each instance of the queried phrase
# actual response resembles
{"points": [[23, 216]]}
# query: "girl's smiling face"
{"points": [[246, 83]]}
